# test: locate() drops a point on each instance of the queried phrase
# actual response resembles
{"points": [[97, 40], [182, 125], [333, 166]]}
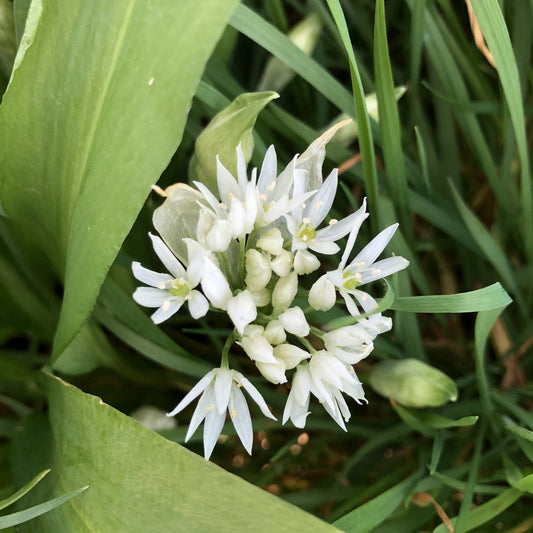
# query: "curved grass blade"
{"points": [[37, 510], [488, 298], [24, 490]]}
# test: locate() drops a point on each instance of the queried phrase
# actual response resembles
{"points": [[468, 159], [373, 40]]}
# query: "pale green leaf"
{"points": [[91, 118], [138, 480]]}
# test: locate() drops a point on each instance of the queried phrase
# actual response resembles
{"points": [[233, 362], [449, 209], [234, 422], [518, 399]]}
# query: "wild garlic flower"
{"points": [[249, 250], [169, 292], [220, 390]]}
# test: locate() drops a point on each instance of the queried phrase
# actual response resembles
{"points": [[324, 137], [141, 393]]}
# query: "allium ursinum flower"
{"points": [[304, 220], [246, 251], [327, 378], [169, 292], [220, 389]]}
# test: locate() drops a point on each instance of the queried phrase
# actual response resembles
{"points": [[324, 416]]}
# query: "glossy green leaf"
{"points": [[229, 128], [92, 116], [412, 383], [138, 480]]}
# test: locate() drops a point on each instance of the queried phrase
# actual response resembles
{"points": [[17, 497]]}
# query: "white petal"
{"points": [[318, 207], [336, 231], [323, 247], [170, 261], [367, 302], [254, 394], [350, 304], [167, 310], [372, 250], [227, 185], [291, 355], [241, 169], [214, 422], [242, 310], [220, 235], [198, 304], [240, 416], [149, 277], [223, 383], [215, 285], [194, 392], [360, 216], [383, 268], [268, 170], [150, 297]]}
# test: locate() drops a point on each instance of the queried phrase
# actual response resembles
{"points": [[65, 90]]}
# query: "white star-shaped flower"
{"points": [[166, 291], [220, 390]]}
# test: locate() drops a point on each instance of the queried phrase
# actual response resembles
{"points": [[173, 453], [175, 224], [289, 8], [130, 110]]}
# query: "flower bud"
{"points": [[261, 298], [242, 310], [271, 241], [285, 291], [258, 271], [291, 355], [305, 262], [275, 373], [256, 346], [294, 322], [412, 383], [219, 236], [274, 332], [322, 295], [282, 264]]}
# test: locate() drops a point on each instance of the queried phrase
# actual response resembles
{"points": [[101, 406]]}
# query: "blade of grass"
{"points": [[389, 122], [492, 23], [22, 491], [361, 114]]}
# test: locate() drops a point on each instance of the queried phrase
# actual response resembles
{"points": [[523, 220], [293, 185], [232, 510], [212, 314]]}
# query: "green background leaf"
{"points": [[138, 480], [83, 141]]}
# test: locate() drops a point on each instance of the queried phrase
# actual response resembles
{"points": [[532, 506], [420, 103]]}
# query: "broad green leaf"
{"points": [[229, 128], [92, 116], [153, 484], [304, 35], [21, 517], [368, 516], [412, 383], [24, 490], [491, 297]]}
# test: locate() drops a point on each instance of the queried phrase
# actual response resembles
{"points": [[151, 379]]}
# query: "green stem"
{"points": [[224, 363]]}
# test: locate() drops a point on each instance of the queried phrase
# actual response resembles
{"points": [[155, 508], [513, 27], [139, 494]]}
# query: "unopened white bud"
{"points": [[242, 310], [291, 355], [219, 236], [305, 262], [285, 291], [273, 372], [262, 297], [258, 271], [271, 241], [282, 264], [294, 322], [256, 346], [275, 333], [322, 295]]}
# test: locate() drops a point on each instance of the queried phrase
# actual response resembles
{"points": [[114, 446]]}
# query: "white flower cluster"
{"points": [[250, 252]]}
